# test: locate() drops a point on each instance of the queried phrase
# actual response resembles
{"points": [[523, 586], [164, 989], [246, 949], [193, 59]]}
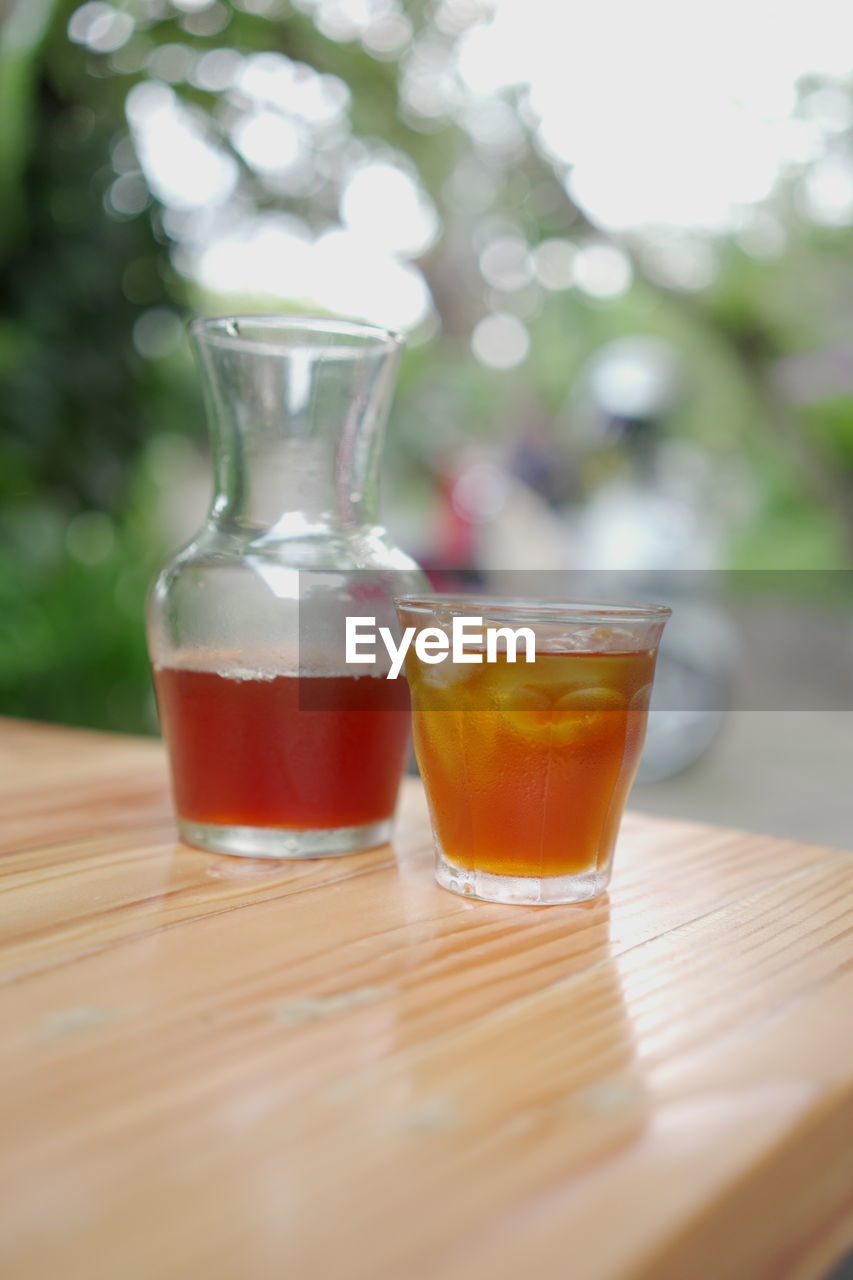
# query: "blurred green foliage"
{"points": [[81, 410]]}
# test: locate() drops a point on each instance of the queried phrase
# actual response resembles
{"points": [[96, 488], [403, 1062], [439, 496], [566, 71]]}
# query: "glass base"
{"points": [[278, 842], [527, 891]]}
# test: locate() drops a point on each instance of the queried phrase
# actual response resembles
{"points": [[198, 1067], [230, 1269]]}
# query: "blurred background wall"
{"points": [[618, 237]]}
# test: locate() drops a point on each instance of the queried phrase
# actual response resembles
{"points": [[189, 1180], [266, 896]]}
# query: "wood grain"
{"points": [[333, 1069]]}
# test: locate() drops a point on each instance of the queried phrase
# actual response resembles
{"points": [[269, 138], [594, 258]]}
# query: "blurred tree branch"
{"points": [[23, 31]]}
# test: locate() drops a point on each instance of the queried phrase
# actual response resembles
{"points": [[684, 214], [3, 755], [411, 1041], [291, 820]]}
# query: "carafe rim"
{"points": [[360, 338]]}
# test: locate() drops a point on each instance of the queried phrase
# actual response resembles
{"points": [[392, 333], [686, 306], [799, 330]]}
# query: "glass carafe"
{"points": [[276, 749]]}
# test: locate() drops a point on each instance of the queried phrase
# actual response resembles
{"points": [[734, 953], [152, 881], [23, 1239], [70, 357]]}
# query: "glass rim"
{"points": [[525, 610], [224, 331]]}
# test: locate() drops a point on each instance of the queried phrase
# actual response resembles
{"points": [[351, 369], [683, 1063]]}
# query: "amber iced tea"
{"points": [[527, 766], [282, 751]]}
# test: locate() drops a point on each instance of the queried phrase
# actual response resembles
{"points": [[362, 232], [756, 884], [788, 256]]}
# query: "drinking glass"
{"points": [[527, 764]]}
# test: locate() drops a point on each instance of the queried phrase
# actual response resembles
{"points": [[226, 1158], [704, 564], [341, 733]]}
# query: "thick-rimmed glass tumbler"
{"points": [[527, 764]]}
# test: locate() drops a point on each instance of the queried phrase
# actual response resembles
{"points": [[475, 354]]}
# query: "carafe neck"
{"points": [[297, 411]]}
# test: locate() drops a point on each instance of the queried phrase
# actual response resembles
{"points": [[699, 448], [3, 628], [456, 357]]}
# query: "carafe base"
{"points": [[283, 843]]}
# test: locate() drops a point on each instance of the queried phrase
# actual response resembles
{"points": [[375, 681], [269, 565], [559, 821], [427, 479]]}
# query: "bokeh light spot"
{"points": [[388, 35], [382, 203], [505, 263], [602, 271], [216, 70], [157, 333], [184, 169], [207, 22], [172, 63], [267, 141], [90, 537], [100, 27], [127, 196], [500, 341], [554, 264]]}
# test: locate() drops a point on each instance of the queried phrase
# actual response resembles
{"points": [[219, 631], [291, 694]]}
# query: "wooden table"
{"points": [[222, 1068]]}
